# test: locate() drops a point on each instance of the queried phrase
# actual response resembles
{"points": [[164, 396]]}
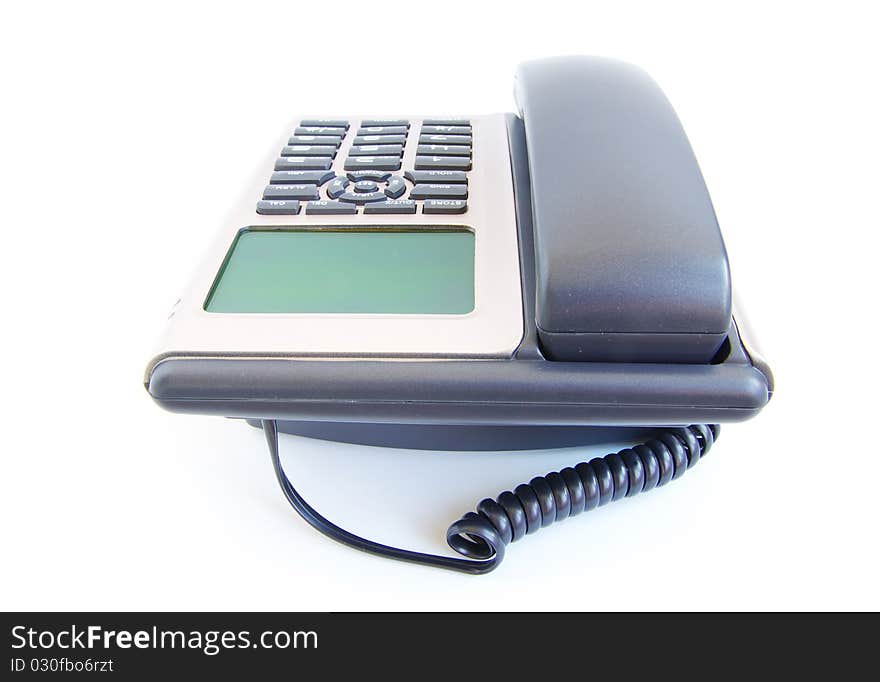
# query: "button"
{"points": [[324, 123], [445, 122], [365, 186], [308, 162], [309, 150], [445, 139], [337, 186], [315, 139], [277, 207], [330, 208], [362, 198], [439, 192], [317, 130], [446, 162], [444, 150], [382, 130], [445, 206], [372, 122], [295, 162], [380, 139], [293, 177], [391, 206], [290, 192], [446, 130], [442, 176], [396, 187], [376, 176], [390, 163], [376, 150]]}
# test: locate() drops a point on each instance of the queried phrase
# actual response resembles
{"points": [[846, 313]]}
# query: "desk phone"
{"points": [[546, 278]]}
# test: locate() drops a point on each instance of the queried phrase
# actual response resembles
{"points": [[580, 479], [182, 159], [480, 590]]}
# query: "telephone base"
{"points": [[461, 437]]}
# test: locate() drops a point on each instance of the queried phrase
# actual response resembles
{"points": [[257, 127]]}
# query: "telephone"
{"points": [[478, 282]]}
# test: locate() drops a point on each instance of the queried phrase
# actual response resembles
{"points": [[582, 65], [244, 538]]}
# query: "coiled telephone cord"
{"points": [[483, 535]]}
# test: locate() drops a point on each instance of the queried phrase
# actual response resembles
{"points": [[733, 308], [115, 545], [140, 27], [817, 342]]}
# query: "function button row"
{"points": [[432, 176], [431, 129], [439, 192], [376, 150], [380, 139], [309, 150], [443, 163], [315, 139], [291, 192], [373, 123], [448, 206], [324, 123], [306, 177], [445, 122], [445, 139], [389, 163], [443, 150], [277, 207]]}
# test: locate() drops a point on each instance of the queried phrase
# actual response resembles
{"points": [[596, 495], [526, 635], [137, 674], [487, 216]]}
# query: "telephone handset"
{"points": [[482, 282], [630, 264]]}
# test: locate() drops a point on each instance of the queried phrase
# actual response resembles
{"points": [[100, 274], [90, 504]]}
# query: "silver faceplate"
{"points": [[492, 330]]}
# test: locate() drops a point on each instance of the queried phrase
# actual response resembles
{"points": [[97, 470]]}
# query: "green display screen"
{"points": [[347, 271]]}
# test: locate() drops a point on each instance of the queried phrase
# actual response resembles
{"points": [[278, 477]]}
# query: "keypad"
{"points": [[372, 166]]}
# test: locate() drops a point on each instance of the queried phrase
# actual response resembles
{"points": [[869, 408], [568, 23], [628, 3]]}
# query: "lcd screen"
{"points": [[426, 271]]}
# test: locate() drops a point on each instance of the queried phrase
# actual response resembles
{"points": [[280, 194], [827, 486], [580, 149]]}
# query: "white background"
{"points": [[126, 131]]}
